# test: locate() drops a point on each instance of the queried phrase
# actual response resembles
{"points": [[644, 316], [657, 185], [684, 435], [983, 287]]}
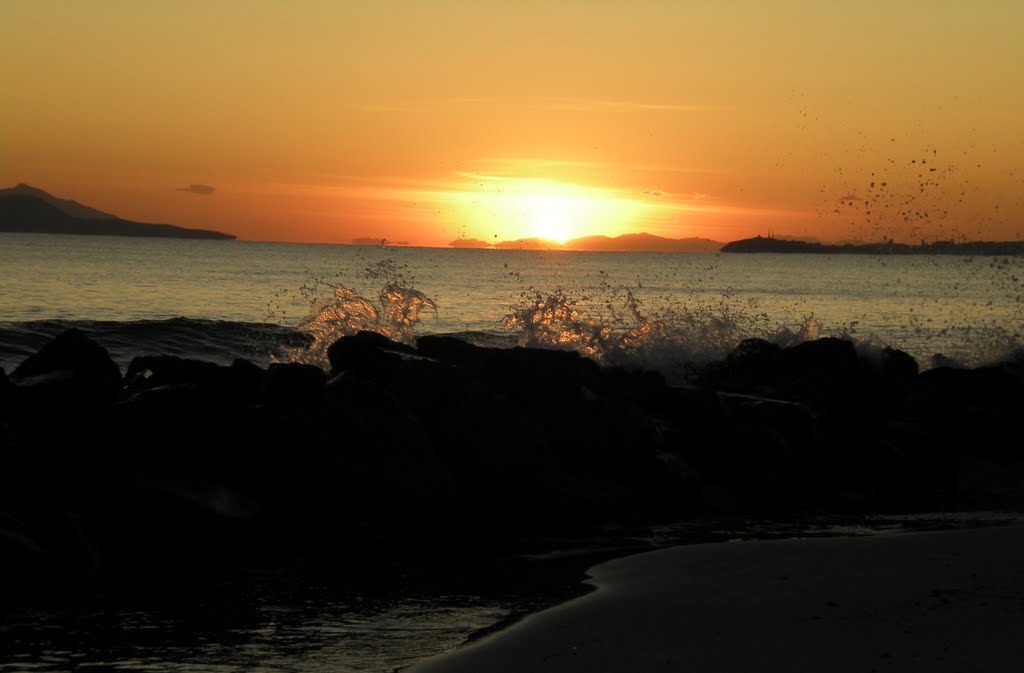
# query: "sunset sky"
{"points": [[425, 122]]}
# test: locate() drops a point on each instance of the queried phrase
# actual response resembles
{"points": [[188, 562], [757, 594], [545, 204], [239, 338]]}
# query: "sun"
{"points": [[552, 217], [505, 208]]}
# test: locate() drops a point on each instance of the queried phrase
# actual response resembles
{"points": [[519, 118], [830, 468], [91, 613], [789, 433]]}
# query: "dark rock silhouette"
{"points": [[366, 352], [642, 242], [431, 450], [67, 206], [71, 364], [25, 209]]}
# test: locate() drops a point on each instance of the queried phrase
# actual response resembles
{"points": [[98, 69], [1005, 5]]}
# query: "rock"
{"points": [[6, 387], [896, 366], [825, 371], [826, 359], [366, 353], [152, 371], [750, 368], [538, 374], [411, 448], [453, 351], [291, 384], [753, 354], [940, 360], [988, 389], [247, 380], [71, 365]]}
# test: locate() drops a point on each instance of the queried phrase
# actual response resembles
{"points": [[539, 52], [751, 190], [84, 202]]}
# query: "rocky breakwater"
{"points": [[414, 454]]}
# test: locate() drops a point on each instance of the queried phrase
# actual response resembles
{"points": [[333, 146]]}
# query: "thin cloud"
{"points": [[589, 104], [656, 193], [201, 190], [384, 107], [535, 164], [548, 103], [531, 165]]}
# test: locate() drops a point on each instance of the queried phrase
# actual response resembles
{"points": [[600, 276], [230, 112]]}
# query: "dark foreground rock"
{"points": [[405, 453]]}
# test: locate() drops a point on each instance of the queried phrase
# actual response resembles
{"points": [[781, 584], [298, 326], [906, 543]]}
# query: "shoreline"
{"points": [[936, 600]]}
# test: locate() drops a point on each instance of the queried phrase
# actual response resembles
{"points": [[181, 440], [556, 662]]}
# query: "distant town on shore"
{"points": [[771, 244]]}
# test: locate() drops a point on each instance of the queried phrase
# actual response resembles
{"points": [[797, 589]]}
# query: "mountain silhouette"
{"points": [[72, 208], [642, 242], [26, 209]]}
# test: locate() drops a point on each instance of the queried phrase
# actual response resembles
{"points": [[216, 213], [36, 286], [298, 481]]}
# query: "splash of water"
{"points": [[630, 325], [337, 311], [616, 329]]}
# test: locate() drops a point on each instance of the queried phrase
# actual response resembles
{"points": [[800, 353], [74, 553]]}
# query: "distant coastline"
{"points": [[642, 242], [26, 209], [778, 245], [650, 243]]}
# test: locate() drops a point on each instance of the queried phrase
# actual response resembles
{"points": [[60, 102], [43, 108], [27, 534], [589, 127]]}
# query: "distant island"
{"points": [[778, 245], [26, 209], [649, 243], [625, 243]]}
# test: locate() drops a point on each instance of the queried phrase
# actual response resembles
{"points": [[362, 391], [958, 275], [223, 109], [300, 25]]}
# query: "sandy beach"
{"points": [[932, 601]]}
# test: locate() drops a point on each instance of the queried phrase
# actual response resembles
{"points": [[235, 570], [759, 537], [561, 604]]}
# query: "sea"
{"points": [[277, 302], [221, 300]]}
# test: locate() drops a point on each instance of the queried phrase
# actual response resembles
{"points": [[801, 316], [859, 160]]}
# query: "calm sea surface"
{"points": [[649, 308]]}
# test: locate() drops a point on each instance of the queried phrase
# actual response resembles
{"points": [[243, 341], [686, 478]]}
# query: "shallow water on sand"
{"points": [[281, 625], [336, 636]]}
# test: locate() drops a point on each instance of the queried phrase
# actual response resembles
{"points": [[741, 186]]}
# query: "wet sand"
{"points": [[935, 601]]}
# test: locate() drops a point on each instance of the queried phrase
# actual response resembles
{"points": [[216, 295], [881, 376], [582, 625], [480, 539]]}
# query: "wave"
{"points": [[617, 330], [219, 341], [337, 311], [609, 324]]}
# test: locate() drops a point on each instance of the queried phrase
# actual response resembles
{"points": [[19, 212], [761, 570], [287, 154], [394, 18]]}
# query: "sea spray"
{"points": [[612, 327], [606, 322], [343, 312], [678, 311]]}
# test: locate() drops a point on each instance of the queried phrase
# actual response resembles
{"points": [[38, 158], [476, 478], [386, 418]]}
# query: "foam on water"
{"points": [[614, 328]]}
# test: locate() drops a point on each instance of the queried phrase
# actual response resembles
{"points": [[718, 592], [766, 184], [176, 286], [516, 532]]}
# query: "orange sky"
{"points": [[429, 121]]}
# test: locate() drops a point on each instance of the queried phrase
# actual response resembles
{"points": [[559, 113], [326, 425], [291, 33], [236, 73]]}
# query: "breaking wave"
{"points": [[618, 330], [219, 341], [608, 324], [626, 326], [337, 311]]}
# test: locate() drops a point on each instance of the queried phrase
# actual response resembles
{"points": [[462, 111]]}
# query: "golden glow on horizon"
{"points": [[507, 209], [553, 217]]}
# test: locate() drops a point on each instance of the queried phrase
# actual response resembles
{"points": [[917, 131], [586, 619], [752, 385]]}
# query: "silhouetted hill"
{"points": [[22, 211], [776, 245], [469, 243], [529, 244], [72, 208], [643, 242]]}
